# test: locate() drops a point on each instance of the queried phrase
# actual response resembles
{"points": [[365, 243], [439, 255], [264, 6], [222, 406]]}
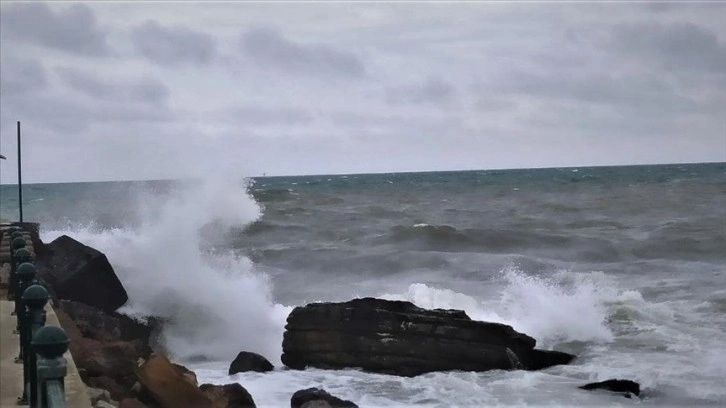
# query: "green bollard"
{"points": [[35, 298], [26, 276], [21, 255], [16, 243], [50, 342]]}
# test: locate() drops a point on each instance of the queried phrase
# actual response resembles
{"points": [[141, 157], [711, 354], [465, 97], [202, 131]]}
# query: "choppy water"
{"points": [[623, 266]]}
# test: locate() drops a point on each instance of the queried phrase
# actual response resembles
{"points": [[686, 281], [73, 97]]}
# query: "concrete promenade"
{"points": [[11, 373]]}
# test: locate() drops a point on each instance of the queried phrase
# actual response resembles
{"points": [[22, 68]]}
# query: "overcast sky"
{"points": [[127, 90]]}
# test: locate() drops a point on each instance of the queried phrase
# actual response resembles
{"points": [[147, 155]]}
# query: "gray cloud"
{"points": [[675, 47], [632, 94], [21, 76], [434, 90], [270, 48], [261, 116], [137, 90], [73, 29], [173, 45]]}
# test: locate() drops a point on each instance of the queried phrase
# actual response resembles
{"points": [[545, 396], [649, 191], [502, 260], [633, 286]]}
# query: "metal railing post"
{"points": [[22, 256], [15, 238], [26, 277], [50, 342], [35, 298]]}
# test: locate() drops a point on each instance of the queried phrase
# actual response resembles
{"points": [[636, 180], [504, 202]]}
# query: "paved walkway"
{"points": [[11, 373]]}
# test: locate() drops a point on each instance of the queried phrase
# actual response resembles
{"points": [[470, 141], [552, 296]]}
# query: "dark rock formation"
{"points": [[399, 338], [77, 272], [104, 346], [625, 386], [131, 403], [319, 398], [96, 324], [247, 361], [228, 395]]}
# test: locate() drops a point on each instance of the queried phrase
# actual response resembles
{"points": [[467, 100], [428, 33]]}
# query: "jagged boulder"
{"points": [[396, 337], [228, 395], [318, 398], [248, 361], [626, 387], [96, 324], [168, 386], [74, 271]]}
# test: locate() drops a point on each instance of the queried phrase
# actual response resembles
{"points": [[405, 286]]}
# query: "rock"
{"points": [[111, 386], [228, 395], [538, 359], [625, 386], [77, 272], [168, 386], [247, 361], [131, 403], [395, 337], [103, 404], [317, 397], [97, 324], [98, 394], [188, 374]]}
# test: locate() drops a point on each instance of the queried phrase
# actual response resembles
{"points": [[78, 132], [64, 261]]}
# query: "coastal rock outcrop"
{"points": [[104, 346], [248, 361], [168, 386], [626, 387], [74, 271], [228, 395], [396, 337], [318, 398]]}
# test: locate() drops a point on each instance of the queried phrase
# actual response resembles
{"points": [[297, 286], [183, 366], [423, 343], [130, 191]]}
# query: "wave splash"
{"points": [[561, 308], [214, 302]]}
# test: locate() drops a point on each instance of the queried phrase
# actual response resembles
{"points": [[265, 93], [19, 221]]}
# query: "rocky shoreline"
{"points": [[122, 362]]}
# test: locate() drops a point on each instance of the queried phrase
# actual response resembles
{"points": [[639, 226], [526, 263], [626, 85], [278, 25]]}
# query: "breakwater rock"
{"points": [[74, 271], [399, 338]]}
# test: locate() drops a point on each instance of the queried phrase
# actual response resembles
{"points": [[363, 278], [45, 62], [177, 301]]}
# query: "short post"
{"points": [[16, 242], [21, 256], [35, 298], [26, 277], [50, 342]]}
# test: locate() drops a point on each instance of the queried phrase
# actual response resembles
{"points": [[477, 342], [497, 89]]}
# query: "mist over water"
{"points": [[624, 267]]}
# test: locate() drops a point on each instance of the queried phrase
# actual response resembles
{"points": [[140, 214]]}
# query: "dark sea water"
{"points": [[623, 266]]}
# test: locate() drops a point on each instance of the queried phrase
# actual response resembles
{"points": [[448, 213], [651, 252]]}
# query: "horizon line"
{"points": [[376, 173]]}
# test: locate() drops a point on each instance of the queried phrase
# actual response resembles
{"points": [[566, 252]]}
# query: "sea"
{"points": [[623, 266]]}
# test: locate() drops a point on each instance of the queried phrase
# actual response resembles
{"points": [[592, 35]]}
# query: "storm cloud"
{"points": [[173, 45], [73, 29], [173, 90], [270, 48]]}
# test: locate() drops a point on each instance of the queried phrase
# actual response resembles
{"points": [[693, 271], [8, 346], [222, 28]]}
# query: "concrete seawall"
{"points": [[11, 373]]}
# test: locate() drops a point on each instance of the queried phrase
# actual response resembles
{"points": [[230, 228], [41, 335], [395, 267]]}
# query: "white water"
{"points": [[219, 304], [215, 304]]}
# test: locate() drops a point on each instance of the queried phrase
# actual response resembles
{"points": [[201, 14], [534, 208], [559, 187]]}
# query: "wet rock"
{"points": [[399, 338], [97, 324], [247, 361], [168, 386], [318, 398], [111, 386], [624, 386], [228, 395], [98, 394], [78, 272], [188, 374], [131, 403]]}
